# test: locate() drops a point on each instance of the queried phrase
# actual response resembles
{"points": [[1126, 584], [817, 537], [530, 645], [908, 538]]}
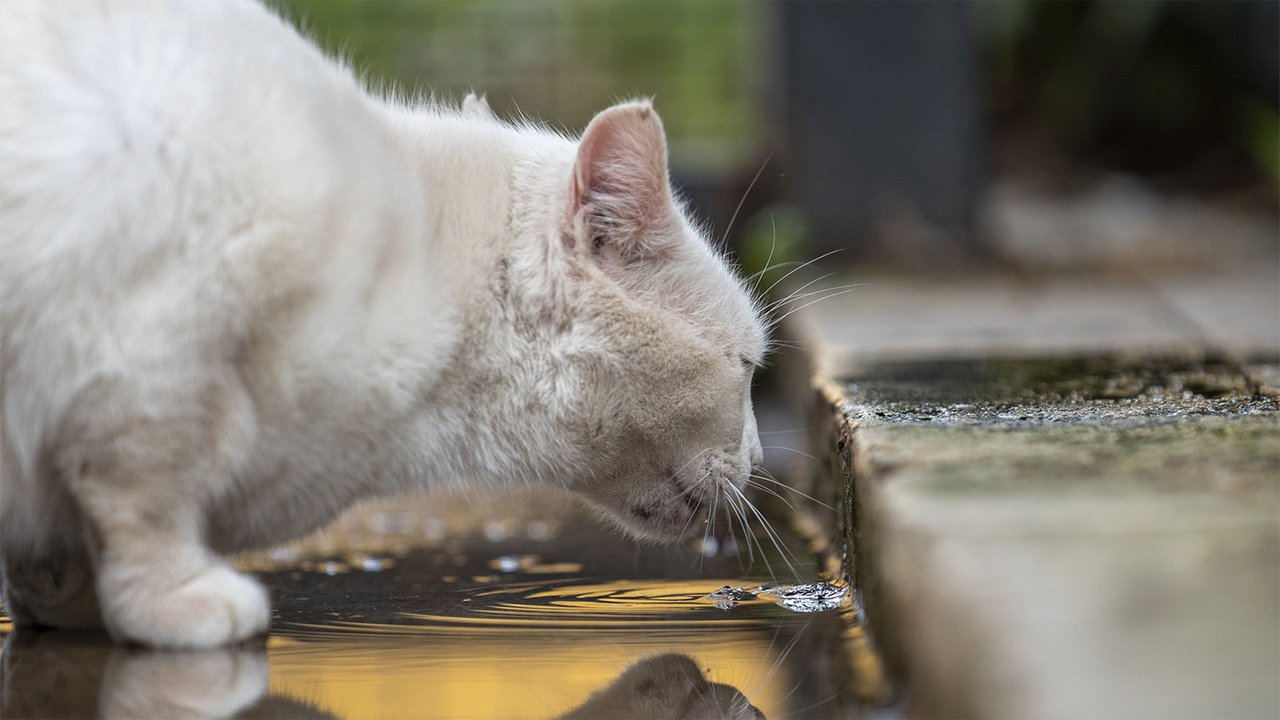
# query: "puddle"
{"points": [[534, 649], [402, 624], [502, 639]]}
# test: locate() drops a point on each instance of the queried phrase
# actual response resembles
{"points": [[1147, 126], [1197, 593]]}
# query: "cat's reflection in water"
{"points": [[665, 687], [68, 674]]}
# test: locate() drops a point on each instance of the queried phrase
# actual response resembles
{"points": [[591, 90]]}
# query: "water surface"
{"points": [[404, 613]]}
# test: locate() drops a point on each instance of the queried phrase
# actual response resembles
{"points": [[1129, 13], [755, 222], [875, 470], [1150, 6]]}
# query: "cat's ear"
{"points": [[619, 190], [476, 106]]}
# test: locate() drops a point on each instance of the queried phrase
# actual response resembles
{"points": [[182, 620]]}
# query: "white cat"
{"points": [[238, 293]]}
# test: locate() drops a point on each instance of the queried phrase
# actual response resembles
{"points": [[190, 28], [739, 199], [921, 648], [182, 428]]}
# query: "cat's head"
{"points": [[671, 433]]}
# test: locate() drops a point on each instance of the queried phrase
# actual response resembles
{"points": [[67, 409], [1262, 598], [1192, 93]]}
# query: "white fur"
{"points": [[238, 293]]}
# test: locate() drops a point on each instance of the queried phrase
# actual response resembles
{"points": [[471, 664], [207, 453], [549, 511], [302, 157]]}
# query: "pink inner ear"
{"points": [[622, 163], [576, 192]]}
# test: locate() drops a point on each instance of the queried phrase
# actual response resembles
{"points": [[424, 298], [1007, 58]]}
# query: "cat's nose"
{"points": [[757, 452]]}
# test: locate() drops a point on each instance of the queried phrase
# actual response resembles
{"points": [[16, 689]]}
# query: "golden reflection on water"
{"points": [[540, 654], [534, 646], [539, 674]]}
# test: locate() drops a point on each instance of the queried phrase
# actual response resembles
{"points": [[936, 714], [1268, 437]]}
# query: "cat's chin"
{"points": [[661, 525], [665, 519], [641, 532], [676, 508]]}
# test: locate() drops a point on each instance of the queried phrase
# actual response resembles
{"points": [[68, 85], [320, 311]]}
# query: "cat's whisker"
{"points": [[774, 493], [764, 556], [796, 264], [729, 500], [773, 641], [792, 295], [770, 533], [822, 294], [813, 302], [777, 664], [746, 531], [785, 263], [694, 487], [775, 344], [694, 460], [788, 449], [773, 245], [788, 487], [692, 516], [774, 538], [822, 701], [821, 291], [728, 228], [762, 488], [708, 530], [798, 268], [792, 691], [746, 534]]}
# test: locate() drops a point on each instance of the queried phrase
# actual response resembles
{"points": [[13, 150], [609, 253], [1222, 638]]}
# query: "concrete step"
{"points": [[1063, 495]]}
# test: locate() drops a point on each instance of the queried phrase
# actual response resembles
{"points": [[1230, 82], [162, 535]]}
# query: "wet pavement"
{"points": [[467, 608]]}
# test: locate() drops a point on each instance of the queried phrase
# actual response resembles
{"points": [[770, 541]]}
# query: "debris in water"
{"points": [[728, 597], [806, 598]]}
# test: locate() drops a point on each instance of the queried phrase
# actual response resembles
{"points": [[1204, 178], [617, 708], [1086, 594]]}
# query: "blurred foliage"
{"points": [[1184, 91], [564, 61], [1261, 130], [1145, 86]]}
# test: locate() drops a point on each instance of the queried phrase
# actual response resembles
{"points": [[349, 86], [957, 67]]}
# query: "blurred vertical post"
{"points": [[883, 126]]}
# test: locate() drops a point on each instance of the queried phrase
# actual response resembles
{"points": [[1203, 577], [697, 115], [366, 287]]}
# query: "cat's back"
{"points": [[199, 152], [174, 177], [125, 119]]}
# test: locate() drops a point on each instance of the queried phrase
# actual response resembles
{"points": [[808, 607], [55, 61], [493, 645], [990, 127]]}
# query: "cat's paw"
{"points": [[217, 607]]}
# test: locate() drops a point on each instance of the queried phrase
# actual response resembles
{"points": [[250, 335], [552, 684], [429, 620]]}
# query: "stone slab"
{"points": [[1067, 494], [885, 318], [1238, 313]]}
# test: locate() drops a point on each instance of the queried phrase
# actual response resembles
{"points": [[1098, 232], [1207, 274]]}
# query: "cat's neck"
{"points": [[489, 187], [495, 195]]}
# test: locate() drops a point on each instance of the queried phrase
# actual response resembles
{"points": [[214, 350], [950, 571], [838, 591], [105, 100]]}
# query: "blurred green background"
{"points": [[1181, 95], [561, 62]]}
